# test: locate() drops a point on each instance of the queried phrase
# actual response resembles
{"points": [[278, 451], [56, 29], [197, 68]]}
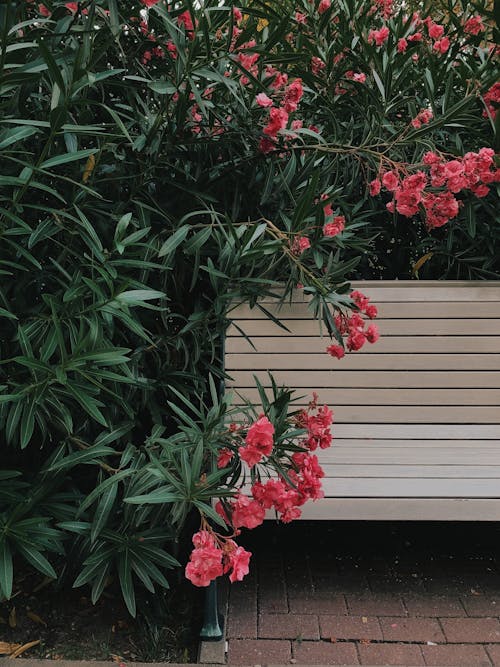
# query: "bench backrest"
{"points": [[418, 413]]}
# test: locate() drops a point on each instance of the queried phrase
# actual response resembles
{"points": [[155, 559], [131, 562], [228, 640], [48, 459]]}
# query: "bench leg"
{"points": [[212, 619]]}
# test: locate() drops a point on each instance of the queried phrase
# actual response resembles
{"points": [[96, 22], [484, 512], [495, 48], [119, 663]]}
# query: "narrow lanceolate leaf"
{"points": [[126, 583], [174, 241], [64, 158], [6, 569], [135, 296], [103, 510], [37, 560]]}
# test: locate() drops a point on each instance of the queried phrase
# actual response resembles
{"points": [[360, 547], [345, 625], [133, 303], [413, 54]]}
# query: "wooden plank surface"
{"points": [[411, 310], [419, 431], [387, 327], [419, 456], [346, 396], [322, 361], [401, 509], [389, 344], [314, 380], [379, 471], [339, 487], [422, 290]]}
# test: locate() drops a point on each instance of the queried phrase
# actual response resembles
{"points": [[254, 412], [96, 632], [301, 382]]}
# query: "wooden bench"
{"points": [[417, 415]]}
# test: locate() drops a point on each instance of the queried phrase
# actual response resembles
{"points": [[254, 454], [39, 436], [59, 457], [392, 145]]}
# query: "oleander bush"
{"points": [[162, 161]]}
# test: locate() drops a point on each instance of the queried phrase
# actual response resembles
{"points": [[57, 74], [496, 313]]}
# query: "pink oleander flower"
{"points": [[474, 25], [402, 45], [261, 434], [336, 351], [335, 227], [205, 565], [300, 244], [150, 3], [375, 187], [263, 100], [225, 456], [442, 45], [390, 180], [372, 333], [293, 95], [278, 119], [435, 30], [323, 6], [246, 513], [237, 560], [379, 36], [43, 10]]}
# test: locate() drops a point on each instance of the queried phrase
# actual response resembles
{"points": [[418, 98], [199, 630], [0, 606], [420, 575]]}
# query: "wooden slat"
{"points": [[381, 397], [419, 431], [413, 471], [411, 488], [491, 447], [387, 344], [314, 380], [388, 327], [416, 414], [401, 509], [392, 456], [423, 290], [406, 362], [398, 310]]}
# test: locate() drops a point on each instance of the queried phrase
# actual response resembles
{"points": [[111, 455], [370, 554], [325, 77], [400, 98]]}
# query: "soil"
{"points": [[66, 625]]}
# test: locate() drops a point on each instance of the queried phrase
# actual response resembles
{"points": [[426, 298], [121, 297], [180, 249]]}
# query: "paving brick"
{"points": [[241, 625], [258, 651], [318, 603], [408, 655], [472, 655], [325, 653], [399, 585], [481, 605], [398, 629], [493, 650], [288, 626], [350, 627], [357, 583], [433, 605], [273, 595], [375, 605], [471, 630]]}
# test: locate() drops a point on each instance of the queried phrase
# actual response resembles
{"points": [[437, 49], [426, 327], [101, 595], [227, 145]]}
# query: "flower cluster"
{"points": [[214, 555], [354, 328], [289, 97], [473, 172]]}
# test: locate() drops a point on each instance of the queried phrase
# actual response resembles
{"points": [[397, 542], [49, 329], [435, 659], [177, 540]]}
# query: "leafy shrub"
{"points": [[146, 185]]}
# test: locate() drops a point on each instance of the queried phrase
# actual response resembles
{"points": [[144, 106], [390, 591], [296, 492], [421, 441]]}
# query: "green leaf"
{"points": [[174, 241], [103, 509], [68, 157], [126, 584], [159, 496], [78, 458], [37, 560], [6, 569], [136, 296], [89, 404]]}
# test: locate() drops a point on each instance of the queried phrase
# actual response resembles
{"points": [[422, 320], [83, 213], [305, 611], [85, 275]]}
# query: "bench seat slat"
{"points": [[387, 327], [313, 380], [398, 310], [338, 487], [382, 397], [419, 431], [386, 345], [406, 362], [403, 509], [392, 456], [400, 471]]}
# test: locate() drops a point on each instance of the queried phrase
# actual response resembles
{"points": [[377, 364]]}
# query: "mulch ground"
{"points": [[368, 593], [46, 622]]}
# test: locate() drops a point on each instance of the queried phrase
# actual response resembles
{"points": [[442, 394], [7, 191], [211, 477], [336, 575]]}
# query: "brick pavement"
{"points": [[368, 594]]}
